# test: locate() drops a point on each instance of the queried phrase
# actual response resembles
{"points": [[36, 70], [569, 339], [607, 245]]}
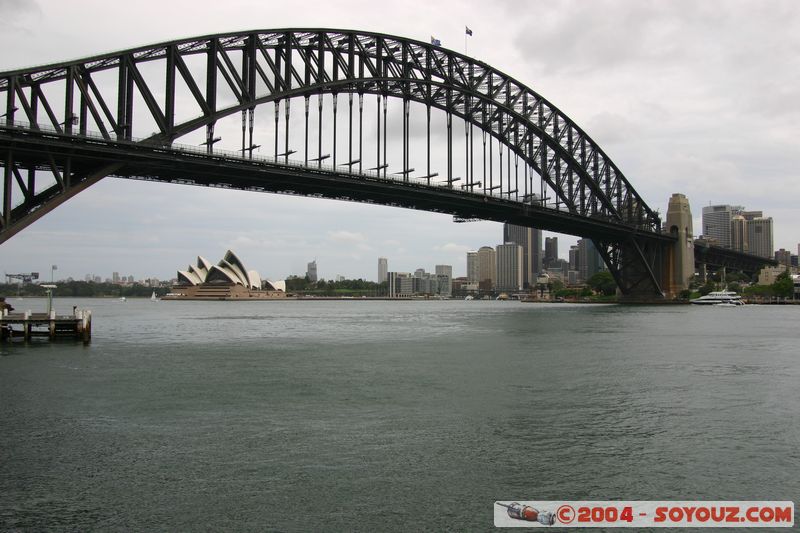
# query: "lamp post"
{"points": [[49, 291]]}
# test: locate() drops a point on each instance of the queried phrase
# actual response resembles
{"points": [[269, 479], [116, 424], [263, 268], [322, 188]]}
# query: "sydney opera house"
{"points": [[227, 280]]}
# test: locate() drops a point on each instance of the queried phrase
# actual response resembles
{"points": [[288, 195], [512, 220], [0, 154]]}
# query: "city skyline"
{"points": [[668, 121]]}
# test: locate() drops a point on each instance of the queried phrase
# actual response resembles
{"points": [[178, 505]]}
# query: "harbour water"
{"points": [[379, 415]]}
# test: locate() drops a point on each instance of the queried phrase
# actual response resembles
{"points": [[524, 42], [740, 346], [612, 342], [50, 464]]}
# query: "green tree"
{"points": [[555, 285], [707, 288], [603, 282], [783, 286], [735, 287]]}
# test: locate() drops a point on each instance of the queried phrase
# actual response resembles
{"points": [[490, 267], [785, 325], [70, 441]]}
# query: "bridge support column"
{"points": [[637, 265], [680, 259]]}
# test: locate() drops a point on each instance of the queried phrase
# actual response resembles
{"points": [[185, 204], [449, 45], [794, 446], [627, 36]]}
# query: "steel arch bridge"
{"points": [[66, 126]]}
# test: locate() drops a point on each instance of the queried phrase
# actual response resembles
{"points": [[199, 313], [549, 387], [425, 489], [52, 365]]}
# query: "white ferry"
{"points": [[726, 298]]}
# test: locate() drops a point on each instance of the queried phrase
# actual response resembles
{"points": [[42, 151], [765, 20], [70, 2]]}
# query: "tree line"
{"points": [[82, 289]]}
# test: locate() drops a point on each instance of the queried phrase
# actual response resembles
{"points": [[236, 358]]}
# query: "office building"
{"points": [[383, 269], [590, 262], [311, 271], [739, 234], [573, 257], [487, 267], [400, 284], [783, 257], [444, 270], [509, 267], [759, 237], [550, 251], [717, 223], [444, 275], [531, 241], [472, 266]]}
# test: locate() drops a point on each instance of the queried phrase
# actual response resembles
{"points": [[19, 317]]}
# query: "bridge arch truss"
{"points": [[110, 98]]}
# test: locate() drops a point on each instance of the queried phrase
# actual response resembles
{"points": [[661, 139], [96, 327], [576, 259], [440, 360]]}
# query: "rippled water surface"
{"points": [[375, 415]]}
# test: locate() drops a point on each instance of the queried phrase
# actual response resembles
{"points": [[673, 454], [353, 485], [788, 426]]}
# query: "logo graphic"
{"points": [[529, 514], [565, 514]]}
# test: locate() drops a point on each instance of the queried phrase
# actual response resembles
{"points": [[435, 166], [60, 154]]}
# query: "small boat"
{"points": [[123, 299], [153, 297], [468, 298], [718, 298]]}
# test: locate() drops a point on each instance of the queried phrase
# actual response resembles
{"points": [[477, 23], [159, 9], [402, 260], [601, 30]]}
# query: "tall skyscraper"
{"points": [[574, 260], [531, 241], [509, 267], [472, 267], [589, 260], [311, 271], [550, 251], [444, 275], [487, 266], [536, 254], [717, 223], [383, 269], [759, 237], [739, 234]]}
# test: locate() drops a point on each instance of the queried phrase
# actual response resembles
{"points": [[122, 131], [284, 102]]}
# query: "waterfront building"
{"points": [[444, 274], [400, 284], [311, 271], [487, 267], [769, 274], [509, 267], [227, 280], [473, 272], [462, 287], [383, 269], [717, 223], [445, 285], [530, 239]]}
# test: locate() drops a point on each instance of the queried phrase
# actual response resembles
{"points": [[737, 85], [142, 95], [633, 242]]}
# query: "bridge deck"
{"points": [[190, 166]]}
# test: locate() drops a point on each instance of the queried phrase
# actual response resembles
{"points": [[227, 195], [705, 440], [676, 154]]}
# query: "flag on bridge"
{"points": [[469, 31], [435, 41]]}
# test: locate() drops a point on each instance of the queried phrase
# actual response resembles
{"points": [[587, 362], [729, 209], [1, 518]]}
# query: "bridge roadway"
{"points": [[189, 165]]}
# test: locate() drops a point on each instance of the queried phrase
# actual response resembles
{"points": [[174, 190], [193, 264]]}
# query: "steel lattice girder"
{"points": [[585, 179], [272, 65]]}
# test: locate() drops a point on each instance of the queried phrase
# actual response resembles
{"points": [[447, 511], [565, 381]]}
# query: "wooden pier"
{"points": [[28, 325]]}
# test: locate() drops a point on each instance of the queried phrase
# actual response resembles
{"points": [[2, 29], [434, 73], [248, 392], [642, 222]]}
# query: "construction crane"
{"points": [[22, 278]]}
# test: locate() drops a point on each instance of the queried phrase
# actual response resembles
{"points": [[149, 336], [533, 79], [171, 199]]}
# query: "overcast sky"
{"points": [[701, 98]]}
